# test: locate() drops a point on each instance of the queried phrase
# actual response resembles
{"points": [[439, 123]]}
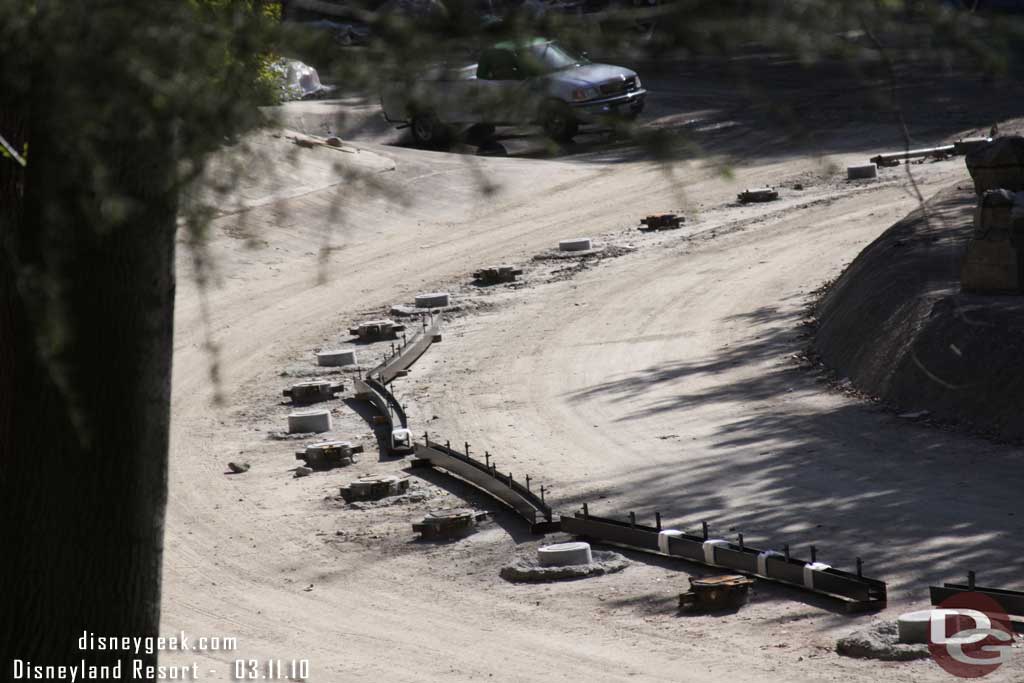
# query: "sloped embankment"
{"points": [[897, 325]]}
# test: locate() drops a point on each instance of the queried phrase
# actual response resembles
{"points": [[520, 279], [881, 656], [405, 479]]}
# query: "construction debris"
{"points": [[758, 194], [313, 391], [493, 275], [375, 330], [661, 221], [729, 591], [374, 488], [969, 145], [329, 454], [448, 523], [893, 158]]}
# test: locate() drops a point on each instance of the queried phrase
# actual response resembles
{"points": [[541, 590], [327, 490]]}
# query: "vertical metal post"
{"points": [[487, 459], [740, 536], [510, 479], [527, 482], [814, 554], [542, 493], [860, 567], [426, 439], [586, 512], [466, 443], [785, 549], [704, 529], [632, 519], [657, 520], [447, 444], [970, 580]]}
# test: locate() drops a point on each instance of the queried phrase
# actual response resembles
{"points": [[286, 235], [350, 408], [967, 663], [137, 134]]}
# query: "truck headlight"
{"points": [[582, 94], [638, 83]]}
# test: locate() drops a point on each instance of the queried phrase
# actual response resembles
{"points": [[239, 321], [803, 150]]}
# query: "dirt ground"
{"points": [[663, 374]]}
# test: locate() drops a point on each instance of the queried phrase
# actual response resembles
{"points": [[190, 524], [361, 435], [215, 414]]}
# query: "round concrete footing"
{"points": [[432, 300], [563, 554], [879, 641], [336, 357], [861, 172], [309, 421], [914, 627], [528, 569], [576, 244]]}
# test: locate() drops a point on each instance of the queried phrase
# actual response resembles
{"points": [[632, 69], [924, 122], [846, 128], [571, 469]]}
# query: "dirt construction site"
{"points": [[678, 372]]}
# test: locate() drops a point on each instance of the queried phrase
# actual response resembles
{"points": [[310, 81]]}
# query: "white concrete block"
{"points": [[432, 300], [562, 554], [336, 357], [304, 421]]}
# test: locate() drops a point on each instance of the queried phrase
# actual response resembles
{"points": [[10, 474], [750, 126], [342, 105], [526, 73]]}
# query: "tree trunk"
{"points": [[86, 315]]}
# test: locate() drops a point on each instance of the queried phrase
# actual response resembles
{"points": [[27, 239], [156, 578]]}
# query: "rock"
{"points": [[333, 141], [238, 468], [303, 472]]}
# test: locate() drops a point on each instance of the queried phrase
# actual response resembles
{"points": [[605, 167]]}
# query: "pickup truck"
{"points": [[514, 83]]}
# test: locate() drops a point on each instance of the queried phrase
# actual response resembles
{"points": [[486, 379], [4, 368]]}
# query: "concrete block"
{"points": [[305, 421], [758, 194], [990, 266], [432, 300], [861, 172], [336, 357], [561, 554], [576, 244]]}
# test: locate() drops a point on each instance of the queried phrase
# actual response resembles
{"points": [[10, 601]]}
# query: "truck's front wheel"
{"points": [[427, 131], [559, 123]]}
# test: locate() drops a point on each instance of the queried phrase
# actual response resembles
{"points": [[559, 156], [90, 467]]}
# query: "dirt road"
{"points": [[661, 379]]}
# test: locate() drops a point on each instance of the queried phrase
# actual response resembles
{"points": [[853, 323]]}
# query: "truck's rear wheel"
{"points": [[427, 131], [559, 123]]}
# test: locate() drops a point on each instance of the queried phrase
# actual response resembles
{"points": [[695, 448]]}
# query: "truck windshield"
{"points": [[547, 57]]}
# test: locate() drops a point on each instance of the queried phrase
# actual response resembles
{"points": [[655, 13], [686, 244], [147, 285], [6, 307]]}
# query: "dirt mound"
{"points": [[897, 324]]}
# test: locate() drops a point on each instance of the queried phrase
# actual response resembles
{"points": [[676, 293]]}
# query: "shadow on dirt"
{"points": [[917, 503]]}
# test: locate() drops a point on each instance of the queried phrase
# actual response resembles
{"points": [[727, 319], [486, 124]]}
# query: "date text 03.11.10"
{"points": [[271, 669]]}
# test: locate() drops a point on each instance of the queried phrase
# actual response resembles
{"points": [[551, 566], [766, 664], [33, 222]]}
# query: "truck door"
{"points": [[501, 88]]}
